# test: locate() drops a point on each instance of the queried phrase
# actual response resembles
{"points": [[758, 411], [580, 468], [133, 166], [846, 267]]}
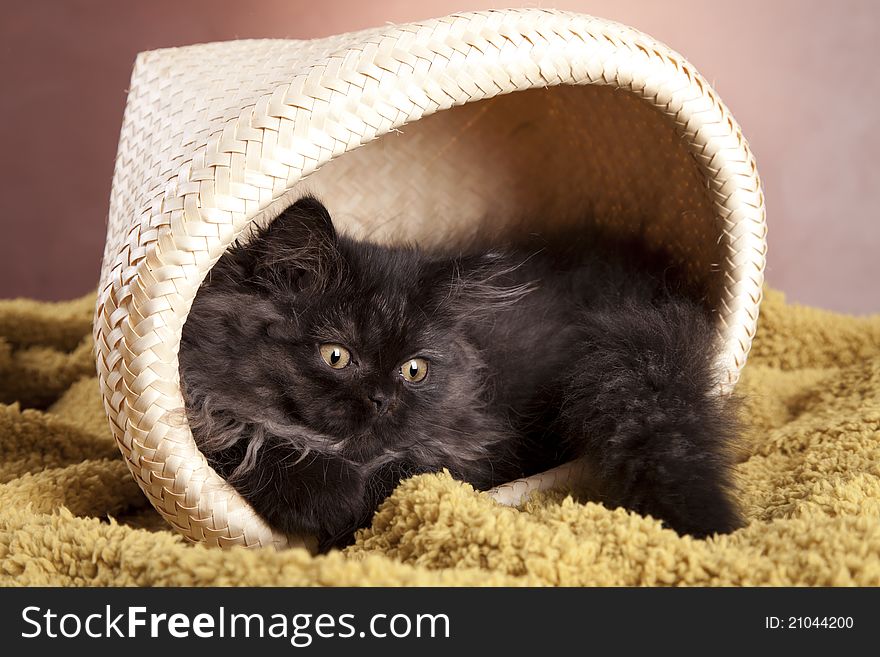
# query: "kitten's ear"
{"points": [[306, 220], [296, 250]]}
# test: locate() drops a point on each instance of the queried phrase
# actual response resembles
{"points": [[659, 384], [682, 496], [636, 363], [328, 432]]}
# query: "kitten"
{"points": [[318, 371]]}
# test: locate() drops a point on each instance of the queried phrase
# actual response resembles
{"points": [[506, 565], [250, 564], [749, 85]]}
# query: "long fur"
{"points": [[539, 353]]}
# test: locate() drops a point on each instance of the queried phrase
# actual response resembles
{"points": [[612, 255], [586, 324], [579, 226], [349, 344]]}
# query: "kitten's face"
{"points": [[366, 363], [353, 342]]}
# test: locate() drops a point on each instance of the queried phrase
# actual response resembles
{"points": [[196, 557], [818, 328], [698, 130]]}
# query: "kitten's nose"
{"points": [[380, 401]]}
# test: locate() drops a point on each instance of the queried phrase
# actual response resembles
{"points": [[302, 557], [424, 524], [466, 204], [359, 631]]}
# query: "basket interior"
{"points": [[541, 160]]}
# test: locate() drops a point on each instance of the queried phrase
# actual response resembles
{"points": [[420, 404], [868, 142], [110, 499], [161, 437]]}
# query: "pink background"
{"points": [[803, 79]]}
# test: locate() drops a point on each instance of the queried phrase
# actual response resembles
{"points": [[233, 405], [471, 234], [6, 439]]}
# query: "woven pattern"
{"points": [[218, 136]]}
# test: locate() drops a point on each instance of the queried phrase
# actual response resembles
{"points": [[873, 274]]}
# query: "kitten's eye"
{"points": [[335, 355], [414, 370]]}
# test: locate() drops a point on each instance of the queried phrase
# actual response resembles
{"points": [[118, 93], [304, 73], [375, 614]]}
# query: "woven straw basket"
{"points": [[421, 132]]}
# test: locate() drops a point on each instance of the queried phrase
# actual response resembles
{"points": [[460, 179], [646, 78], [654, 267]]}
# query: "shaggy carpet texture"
{"points": [[809, 473]]}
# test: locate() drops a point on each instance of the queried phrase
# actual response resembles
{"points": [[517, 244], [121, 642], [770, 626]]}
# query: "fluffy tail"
{"points": [[642, 405]]}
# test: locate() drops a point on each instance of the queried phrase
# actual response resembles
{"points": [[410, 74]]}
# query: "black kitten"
{"points": [[319, 371]]}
